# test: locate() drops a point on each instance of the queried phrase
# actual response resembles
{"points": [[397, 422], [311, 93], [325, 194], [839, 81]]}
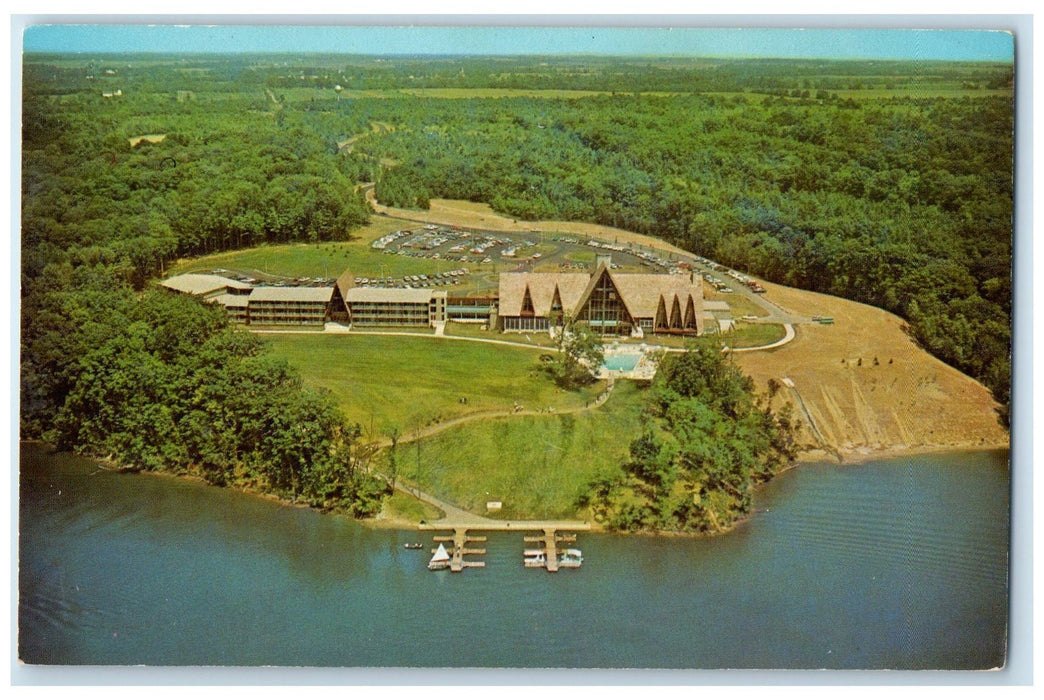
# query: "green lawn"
{"points": [[387, 382], [408, 508], [536, 466], [328, 259], [750, 335]]}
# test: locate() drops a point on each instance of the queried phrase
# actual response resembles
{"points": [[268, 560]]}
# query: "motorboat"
{"points": [[534, 558], [571, 557]]}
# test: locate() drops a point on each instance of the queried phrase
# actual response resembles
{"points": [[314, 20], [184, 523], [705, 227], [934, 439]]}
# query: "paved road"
{"points": [[787, 337]]}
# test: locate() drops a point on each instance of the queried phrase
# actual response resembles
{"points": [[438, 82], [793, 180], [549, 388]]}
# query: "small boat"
{"points": [[440, 560], [534, 558], [415, 545], [571, 557]]}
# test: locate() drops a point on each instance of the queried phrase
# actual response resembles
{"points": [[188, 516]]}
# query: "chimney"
{"points": [[603, 260]]}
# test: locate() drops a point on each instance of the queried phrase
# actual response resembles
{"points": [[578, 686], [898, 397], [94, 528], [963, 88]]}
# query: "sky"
{"points": [[868, 43]]}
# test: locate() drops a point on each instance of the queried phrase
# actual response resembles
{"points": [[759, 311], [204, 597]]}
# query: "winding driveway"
{"points": [[437, 428]]}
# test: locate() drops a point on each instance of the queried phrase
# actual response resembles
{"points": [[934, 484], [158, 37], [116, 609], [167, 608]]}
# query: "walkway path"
{"points": [[271, 96], [452, 512], [334, 328], [437, 428]]}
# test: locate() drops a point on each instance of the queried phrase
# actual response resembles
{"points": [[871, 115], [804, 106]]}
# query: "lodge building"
{"points": [[207, 287], [289, 306], [613, 303], [261, 305], [386, 306], [610, 302]]}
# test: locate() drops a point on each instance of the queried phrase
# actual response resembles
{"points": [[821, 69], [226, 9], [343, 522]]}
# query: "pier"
{"points": [[550, 539], [460, 541]]}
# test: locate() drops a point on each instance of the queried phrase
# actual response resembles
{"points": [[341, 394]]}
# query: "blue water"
{"points": [[890, 564], [621, 363]]}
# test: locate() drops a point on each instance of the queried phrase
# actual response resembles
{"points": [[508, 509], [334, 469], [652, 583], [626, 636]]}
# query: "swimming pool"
{"points": [[621, 362]]}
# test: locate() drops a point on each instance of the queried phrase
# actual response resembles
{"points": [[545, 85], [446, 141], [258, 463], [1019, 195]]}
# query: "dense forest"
{"points": [[708, 439], [158, 381], [887, 183], [119, 371]]}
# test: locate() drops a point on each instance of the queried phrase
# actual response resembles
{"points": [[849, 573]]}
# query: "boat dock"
{"points": [[460, 540], [550, 541], [552, 559]]}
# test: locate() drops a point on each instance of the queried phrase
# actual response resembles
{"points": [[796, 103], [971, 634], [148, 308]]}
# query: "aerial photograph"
{"points": [[507, 347]]}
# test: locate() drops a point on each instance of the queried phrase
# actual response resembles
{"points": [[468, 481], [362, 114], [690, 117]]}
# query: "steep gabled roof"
{"points": [[541, 287], [640, 293], [345, 282], [593, 283], [643, 291]]}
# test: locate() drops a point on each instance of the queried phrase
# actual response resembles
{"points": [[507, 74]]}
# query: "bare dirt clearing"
{"points": [[867, 386]]}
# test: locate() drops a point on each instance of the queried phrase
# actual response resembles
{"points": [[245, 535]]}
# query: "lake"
{"points": [[890, 564]]}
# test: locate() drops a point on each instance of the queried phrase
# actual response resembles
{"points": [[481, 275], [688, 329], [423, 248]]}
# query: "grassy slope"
{"points": [[536, 465], [385, 381]]}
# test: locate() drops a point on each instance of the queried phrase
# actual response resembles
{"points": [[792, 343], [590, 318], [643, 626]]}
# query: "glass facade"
{"points": [[604, 310]]}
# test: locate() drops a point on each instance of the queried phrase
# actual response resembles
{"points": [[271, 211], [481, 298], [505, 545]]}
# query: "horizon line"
{"points": [[578, 54]]}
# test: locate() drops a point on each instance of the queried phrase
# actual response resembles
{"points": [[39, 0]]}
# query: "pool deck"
{"points": [[641, 369]]}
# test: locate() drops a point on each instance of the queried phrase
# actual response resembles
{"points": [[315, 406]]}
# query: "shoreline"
{"points": [[868, 454], [394, 521]]}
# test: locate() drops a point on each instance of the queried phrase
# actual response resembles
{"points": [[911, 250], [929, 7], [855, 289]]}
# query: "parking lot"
{"points": [[469, 251]]}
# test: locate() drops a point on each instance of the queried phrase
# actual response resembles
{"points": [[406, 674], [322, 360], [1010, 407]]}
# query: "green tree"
{"points": [[580, 355]]}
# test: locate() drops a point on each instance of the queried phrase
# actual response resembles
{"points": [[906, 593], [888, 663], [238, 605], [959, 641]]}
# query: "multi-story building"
{"points": [[610, 302], [386, 306]]}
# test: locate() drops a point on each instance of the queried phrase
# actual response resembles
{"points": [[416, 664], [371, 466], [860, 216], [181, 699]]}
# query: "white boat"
{"points": [[439, 560], [571, 557], [534, 558]]}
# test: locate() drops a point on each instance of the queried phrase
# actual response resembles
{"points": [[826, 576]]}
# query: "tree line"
{"points": [[116, 369], [225, 175]]}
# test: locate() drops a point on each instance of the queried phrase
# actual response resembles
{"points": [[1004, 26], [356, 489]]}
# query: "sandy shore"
{"points": [[860, 456]]}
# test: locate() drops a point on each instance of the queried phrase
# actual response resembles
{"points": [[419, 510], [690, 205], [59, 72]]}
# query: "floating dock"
{"points": [[460, 540], [550, 538], [552, 559]]}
